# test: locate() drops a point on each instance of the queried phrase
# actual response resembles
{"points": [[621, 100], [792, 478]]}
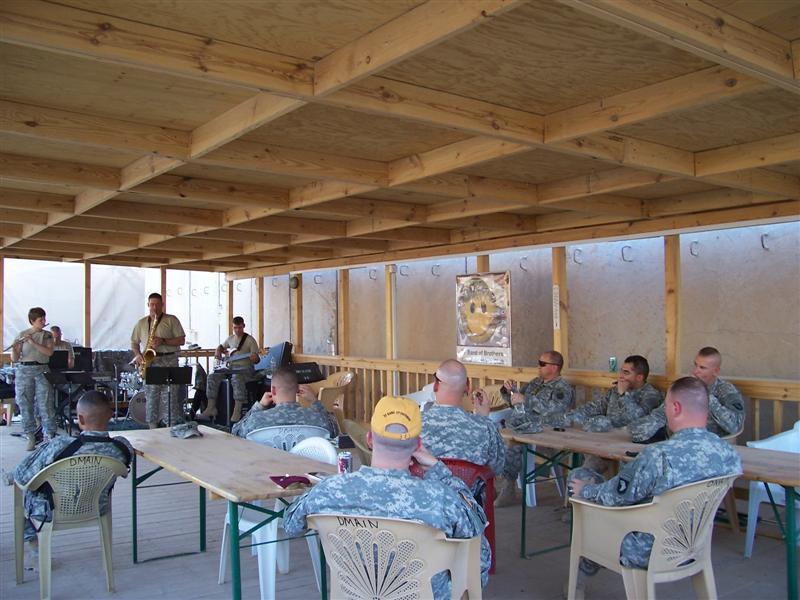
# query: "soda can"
{"points": [[345, 462]]}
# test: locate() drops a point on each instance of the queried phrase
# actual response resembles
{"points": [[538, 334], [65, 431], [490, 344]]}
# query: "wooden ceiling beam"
{"points": [[420, 28], [90, 35], [57, 255], [142, 211], [704, 201], [605, 204], [295, 225], [101, 223], [761, 181], [28, 169], [705, 31], [10, 232], [649, 102], [51, 247], [353, 244], [175, 187], [761, 153], [602, 182], [105, 238], [506, 222], [239, 235], [26, 217], [412, 234], [359, 207], [41, 201], [199, 245]]}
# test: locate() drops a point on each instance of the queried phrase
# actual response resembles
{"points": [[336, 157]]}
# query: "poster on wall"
{"points": [[483, 318]]}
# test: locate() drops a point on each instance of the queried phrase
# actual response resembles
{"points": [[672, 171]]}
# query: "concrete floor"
{"points": [[168, 523]]}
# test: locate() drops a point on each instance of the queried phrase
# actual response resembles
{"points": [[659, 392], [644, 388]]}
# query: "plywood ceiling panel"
{"points": [[544, 57], [238, 176], [670, 188], [781, 17], [749, 118], [63, 151], [307, 29], [71, 83], [347, 133], [537, 166]]}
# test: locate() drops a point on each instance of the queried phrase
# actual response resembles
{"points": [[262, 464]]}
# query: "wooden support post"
{"points": [[231, 284], [390, 283], [87, 304], [2, 297], [343, 312], [260, 309], [560, 304], [297, 313], [483, 263], [672, 304], [164, 286]]}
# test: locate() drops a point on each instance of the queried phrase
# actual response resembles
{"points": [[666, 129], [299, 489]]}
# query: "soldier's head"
{"points": [[284, 386], [635, 370], [155, 304], [94, 411], [238, 326], [707, 364], [56, 331], [550, 364], [394, 434], [450, 383], [686, 404], [36, 317]]}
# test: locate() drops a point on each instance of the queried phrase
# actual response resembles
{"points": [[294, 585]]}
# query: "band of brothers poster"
{"points": [[483, 318]]}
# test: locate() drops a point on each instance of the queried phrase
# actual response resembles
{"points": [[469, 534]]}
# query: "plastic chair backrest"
{"points": [[787, 441], [316, 448], [77, 482], [496, 401], [378, 557], [358, 433], [285, 437]]}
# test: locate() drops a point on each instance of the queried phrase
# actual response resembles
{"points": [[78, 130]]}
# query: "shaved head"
{"points": [[94, 411], [451, 383]]}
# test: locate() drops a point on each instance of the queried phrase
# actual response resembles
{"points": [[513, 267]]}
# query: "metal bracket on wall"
{"points": [[436, 270], [403, 270], [764, 238], [317, 279], [373, 274], [523, 264], [626, 253], [274, 282], [694, 248], [577, 256]]}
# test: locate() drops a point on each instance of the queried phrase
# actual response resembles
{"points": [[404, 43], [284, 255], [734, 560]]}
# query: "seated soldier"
{"points": [[287, 411], [94, 412], [628, 400], [691, 454], [387, 489], [448, 431], [543, 401], [725, 405], [242, 351]]}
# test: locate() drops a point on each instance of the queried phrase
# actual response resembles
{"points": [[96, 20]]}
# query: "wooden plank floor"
{"points": [[168, 523]]}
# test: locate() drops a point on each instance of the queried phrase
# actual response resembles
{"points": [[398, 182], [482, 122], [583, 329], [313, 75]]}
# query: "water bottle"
{"points": [[271, 366], [331, 346]]}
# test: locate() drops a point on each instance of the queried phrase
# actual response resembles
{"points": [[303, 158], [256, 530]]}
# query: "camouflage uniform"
{"points": [[34, 394], [546, 404], [242, 370], [439, 500], [452, 432], [691, 454], [289, 413], [725, 413], [37, 504], [158, 396]]}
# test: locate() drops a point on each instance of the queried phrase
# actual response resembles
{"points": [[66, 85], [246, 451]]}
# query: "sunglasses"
{"points": [[544, 364]]}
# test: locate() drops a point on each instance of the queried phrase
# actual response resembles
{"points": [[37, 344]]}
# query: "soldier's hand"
{"points": [[266, 399], [622, 386], [423, 457], [517, 398], [218, 354], [157, 341], [306, 392], [481, 402], [138, 360], [254, 357]]}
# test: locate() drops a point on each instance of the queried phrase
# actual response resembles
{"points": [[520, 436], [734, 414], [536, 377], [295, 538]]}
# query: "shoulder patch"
{"points": [[560, 395], [622, 485]]}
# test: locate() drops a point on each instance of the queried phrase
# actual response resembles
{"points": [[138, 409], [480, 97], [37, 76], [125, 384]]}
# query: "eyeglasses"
{"points": [[436, 377], [544, 364]]}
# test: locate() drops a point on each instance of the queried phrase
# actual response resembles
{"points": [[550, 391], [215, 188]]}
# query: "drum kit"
{"points": [[131, 383]]}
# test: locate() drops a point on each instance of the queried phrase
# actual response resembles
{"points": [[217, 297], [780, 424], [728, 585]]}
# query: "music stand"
{"points": [[80, 379], [168, 376]]}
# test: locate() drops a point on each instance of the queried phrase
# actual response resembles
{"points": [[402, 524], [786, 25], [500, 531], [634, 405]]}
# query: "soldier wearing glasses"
{"points": [[541, 402]]}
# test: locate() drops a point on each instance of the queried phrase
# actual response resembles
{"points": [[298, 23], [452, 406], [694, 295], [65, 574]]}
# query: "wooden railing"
{"points": [[772, 404]]}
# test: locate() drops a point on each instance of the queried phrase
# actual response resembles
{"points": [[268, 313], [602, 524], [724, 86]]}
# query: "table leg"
{"points": [[236, 572], [522, 547], [134, 484], [791, 544], [202, 519], [19, 526], [323, 572]]}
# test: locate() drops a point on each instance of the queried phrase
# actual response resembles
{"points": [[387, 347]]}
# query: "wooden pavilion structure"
{"points": [[266, 138]]}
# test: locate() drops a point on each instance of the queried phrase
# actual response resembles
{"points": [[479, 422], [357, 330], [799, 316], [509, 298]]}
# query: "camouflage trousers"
{"points": [[238, 381], [513, 466], [35, 394], [158, 396]]}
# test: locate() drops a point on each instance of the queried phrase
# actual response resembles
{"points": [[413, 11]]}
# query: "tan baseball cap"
{"points": [[394, 410]]}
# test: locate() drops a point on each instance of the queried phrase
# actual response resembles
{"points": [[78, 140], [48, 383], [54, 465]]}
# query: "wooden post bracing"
{"points": [[560, 304], [390, 275], [297, 313], [672, 304], [260, 310], [482, 263], [87, 304]]}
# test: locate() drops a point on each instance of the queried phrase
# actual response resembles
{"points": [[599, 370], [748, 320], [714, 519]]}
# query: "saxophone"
{"points": [[149, 353]]}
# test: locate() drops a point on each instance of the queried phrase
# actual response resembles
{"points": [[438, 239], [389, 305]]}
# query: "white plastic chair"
{"points": [[681, 521], [787, 441], [275, 554], [378, 557], [556, 476], [284, 437], [423, 396], [77, 483]]}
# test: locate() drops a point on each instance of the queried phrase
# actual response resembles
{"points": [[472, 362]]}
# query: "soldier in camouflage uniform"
{"points": [[242, 350], [387, 489], [691, 454], [725, 407], [94, 412], [167, 340], [448, 431], [542, 402], [286, 411], [31, 352], [628, 400]]}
